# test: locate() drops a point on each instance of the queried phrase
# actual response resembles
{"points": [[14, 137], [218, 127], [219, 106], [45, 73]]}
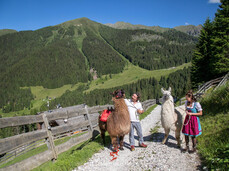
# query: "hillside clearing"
{"points": [[131, 74]]}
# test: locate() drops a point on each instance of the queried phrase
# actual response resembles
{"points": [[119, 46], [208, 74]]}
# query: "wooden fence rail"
{"points": [[203, 88], [85, 118]]}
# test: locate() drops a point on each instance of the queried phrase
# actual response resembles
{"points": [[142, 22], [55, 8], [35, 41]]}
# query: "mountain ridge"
{"points": [[6, 31], [188, 29]]}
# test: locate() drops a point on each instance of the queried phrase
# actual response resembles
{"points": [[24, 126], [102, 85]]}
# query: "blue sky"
{"points": [[35, 14]]}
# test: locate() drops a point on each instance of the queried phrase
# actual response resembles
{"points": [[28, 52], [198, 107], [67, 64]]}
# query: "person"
{"points": [[191, 127], [135, 108]]}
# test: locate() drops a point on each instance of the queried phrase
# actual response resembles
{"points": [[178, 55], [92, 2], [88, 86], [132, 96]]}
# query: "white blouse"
{"points": [[198, 106]]}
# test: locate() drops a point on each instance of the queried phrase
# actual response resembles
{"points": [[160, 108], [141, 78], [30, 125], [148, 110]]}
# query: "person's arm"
{"points": [[140, 110]]}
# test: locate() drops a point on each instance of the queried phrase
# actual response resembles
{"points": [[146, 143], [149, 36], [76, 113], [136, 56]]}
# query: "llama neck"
{"points": [[118, 103], [169, 100]]}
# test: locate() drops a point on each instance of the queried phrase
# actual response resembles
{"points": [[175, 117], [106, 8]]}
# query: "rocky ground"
{"points": [[155, 157]]}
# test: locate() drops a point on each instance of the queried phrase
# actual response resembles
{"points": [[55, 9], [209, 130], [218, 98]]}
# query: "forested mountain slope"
{"points": [[64, 54]]}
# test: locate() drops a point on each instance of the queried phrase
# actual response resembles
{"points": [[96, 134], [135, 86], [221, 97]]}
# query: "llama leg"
{"points": [[102, 127], [114, 143], [103, 136], [177, 135], [166, 135], [121, 142]]}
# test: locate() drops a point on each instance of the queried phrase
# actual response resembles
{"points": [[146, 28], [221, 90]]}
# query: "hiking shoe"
{"points": [[192, 151], [143, 145], [184, 150], [132, 148]]}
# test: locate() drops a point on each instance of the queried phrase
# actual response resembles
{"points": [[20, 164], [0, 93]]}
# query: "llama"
{"points": [[118, 122], [171, 118]]}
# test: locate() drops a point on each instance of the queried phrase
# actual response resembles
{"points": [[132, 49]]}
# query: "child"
{"points": [[191, 125]]}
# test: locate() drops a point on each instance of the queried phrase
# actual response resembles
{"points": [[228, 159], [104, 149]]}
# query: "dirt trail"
{"points": [[155, 157]]}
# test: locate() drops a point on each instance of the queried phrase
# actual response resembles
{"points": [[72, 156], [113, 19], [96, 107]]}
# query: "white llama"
{"points": [[171, 119]]}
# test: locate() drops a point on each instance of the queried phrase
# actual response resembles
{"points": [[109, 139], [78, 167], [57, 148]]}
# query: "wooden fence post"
{"points": [[50, 137], [89, 120]]}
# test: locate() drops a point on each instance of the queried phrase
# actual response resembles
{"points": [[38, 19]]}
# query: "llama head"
{"points": [[117, 94], [166, 93]]}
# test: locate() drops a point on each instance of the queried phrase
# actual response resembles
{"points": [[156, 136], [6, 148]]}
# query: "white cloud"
{"points": [[186, 23], [213, 1]]}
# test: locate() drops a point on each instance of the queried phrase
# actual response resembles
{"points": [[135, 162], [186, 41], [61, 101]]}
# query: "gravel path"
{"points": [[155, 157]]}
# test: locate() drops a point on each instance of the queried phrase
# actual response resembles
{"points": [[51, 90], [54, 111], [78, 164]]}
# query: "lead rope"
{"points": [[189, 115], [188, 120], [183, 110]]}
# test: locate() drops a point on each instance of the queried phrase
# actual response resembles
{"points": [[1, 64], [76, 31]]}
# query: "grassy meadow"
{"points": [[213, 144], [131, 74]]}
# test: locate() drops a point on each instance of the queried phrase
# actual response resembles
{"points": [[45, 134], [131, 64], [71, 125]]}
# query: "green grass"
{"points": [[41, 93], [131, 74], [146, 113], [26, 155], [216, 101], [74, 157], [155, 129], [17, 113], [213, 144], [38, 150]]}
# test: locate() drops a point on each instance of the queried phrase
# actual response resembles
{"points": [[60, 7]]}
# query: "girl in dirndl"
{"points": [[191, 127]]}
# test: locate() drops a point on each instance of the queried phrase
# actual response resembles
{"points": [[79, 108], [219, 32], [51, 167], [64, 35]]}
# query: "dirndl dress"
{"points": [[192, 125]]}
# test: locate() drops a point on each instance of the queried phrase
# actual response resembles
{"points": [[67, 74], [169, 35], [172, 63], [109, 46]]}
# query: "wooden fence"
{"points": [[212, 83], [85, 119]]}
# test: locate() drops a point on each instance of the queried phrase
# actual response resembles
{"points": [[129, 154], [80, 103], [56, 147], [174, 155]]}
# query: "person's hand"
{"points": [[139, 111], [188, 113]]}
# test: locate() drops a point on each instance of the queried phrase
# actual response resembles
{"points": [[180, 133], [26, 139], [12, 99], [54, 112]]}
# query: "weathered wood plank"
{"points": [[63, 113], [89, 119], [19, 120], [69, 127], [95, 109], [50, 136], [10, 143], [72, 142]]}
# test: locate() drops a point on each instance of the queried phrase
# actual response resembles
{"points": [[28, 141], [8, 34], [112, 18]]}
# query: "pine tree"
{"points": [[211, 57], [220, 62], [202, 55]]}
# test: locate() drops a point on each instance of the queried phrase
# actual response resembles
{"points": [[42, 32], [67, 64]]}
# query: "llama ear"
{"points": [[169, 89], [162, 90]]}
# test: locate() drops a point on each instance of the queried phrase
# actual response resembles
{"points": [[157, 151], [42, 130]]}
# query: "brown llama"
{"points": [[118, 122]]}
